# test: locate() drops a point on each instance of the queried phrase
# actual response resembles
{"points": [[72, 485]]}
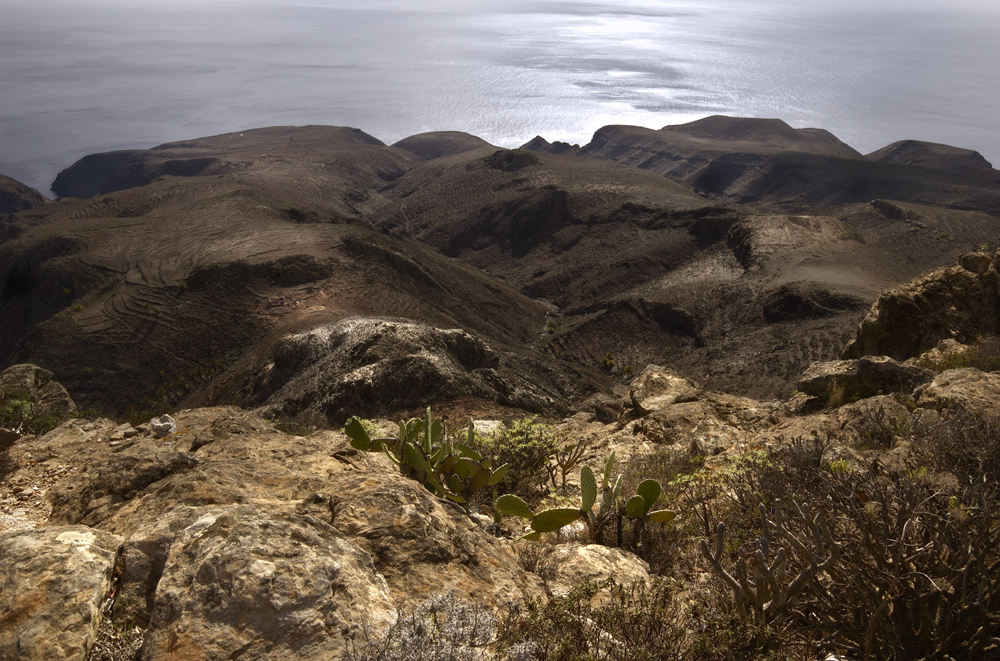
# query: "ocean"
{"points": [[84, 76]]}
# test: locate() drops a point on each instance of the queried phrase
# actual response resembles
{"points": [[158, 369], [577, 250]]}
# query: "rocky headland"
{"points": [[695, 300]]}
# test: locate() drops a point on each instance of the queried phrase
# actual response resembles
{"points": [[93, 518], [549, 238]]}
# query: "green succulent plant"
{"points": [[638, 507], [423, 452]]}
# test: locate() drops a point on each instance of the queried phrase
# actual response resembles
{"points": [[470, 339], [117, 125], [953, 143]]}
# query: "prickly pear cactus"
{"points": [[639, 507], [423, 452]]}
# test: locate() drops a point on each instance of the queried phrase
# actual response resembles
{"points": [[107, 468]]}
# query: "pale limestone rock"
{"points": [[240, 582], [966, 389], [573, 564], [658, 387], [53, 583], [163, 426]]}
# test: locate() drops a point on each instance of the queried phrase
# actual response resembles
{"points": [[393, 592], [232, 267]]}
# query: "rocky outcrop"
{"points": [[572, 565], [30, 402], [36, 385], [365, 366], [53, 586], [673, 411], [960, 302], [657, 387], [713, 424], [863, 377], [242, 541], [538, 143], [966, 389], [239, 582], [15, 196]]}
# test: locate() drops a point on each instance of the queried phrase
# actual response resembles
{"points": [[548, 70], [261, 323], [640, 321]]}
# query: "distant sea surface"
{"points": [[85, 76]]}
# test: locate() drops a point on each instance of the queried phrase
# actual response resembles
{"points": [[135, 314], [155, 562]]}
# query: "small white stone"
{"points": [[163, 426]]}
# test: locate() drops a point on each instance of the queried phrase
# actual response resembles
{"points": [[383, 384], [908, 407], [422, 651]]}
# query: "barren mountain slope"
{"points": [[245, 268], [934, 155], [541, 222], [15, 196], [178, 290], [437, 144], [766, 161], [642, 270], [351, 157]]}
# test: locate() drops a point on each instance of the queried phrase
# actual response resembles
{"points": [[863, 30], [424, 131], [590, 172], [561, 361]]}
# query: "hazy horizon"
{"points": [[85, 77]]}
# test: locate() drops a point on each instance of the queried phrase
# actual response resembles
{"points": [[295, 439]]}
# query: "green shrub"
{"points": [[633, 623], [526, 446], [963, 444], [875, 564], [22, 414]]}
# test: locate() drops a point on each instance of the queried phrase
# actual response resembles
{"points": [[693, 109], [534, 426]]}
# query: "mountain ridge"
{"points": [[714, 247]]}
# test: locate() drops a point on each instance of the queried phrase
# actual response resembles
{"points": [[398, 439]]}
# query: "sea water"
{"points": [[83, 76]]}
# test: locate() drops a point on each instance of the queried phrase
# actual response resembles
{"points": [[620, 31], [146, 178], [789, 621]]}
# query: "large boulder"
{"points": [[960, 302], [574, 564], [424, 545], [863, 377], [53, 585], [240, 582], [709, 425], [657, 387], [967, 389]]}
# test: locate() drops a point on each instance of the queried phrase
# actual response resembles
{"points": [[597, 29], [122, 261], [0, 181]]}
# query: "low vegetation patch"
{"points": [[777, 553], [22, 414]]}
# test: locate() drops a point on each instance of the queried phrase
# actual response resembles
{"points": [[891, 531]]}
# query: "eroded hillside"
{"points": [[735, 251]]}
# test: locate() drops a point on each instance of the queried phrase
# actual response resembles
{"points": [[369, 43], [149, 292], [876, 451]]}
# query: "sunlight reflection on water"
{"points": [[81, 79]]}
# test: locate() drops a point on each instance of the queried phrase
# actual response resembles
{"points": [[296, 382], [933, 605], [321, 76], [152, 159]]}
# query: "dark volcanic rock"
{"points": [[369, 367], [15, 196]]}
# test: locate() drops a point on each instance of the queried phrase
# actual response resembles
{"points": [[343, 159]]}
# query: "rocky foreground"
{"points": [[228, 538]]}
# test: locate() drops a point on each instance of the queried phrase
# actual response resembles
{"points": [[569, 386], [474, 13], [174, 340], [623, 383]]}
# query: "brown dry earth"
{"points": [[734, 251]]}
